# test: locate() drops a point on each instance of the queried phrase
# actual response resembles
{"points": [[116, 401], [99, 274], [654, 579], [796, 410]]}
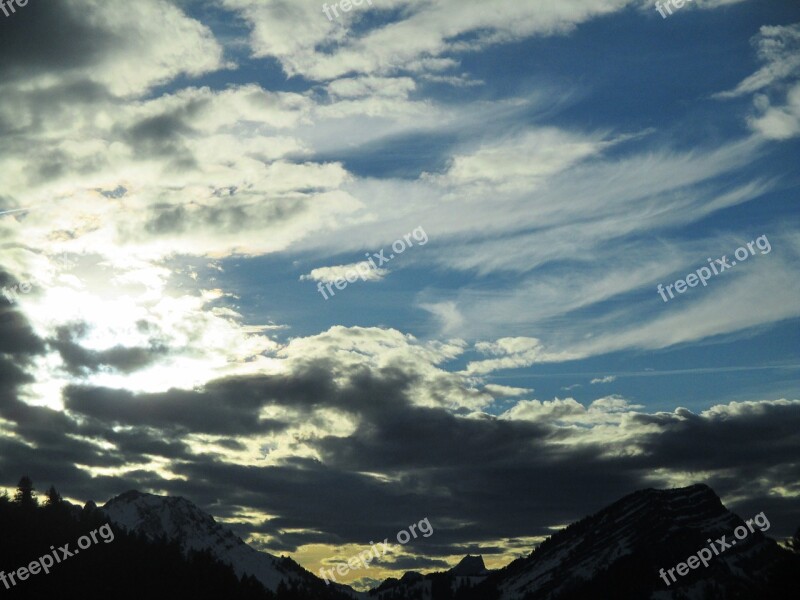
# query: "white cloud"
{"points": [[606, 379], [552, 410], [422, 37], [777, 122], [362, 270], [512, 352], [779, 48], [723, 307], [361, 87], [505, 391], [522, 161], [424, 31]]}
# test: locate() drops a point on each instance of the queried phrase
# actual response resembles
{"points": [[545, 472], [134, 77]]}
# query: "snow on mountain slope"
{"points": [[633, 538], [179, 520]]}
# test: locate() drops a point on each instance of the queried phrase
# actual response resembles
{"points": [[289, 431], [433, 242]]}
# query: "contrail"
{"points": [[8, 212]]}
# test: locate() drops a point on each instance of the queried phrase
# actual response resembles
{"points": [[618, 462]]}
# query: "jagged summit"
{"points": [[470, 566]]}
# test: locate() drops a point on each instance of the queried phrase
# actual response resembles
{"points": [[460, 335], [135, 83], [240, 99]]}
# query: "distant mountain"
{"points": [[179, 520], [470, 566], [467, 574]]}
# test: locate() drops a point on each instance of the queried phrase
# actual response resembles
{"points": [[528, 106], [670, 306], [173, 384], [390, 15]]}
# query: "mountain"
{"points": [[467, 574], [619, 552], [179, 520], [470, 566], [616, 553], [119, 564]]}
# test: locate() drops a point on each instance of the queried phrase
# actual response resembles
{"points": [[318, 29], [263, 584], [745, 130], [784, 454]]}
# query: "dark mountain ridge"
{"points": [[619, 551], [168, 547]]}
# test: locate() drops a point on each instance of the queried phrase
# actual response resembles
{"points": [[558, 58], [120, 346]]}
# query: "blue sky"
{"points": [[197, 169], [630, 73]]}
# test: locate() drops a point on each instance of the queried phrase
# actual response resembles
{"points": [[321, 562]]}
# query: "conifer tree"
{"points": [[25, 495]]}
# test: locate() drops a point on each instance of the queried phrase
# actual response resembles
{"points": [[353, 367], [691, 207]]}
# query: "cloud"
{"points": [[371, 87], [505, 391], [78, 359], [548, 243], [422, 32], [226, 173], [512, 352], [577, 296], [717, 310], [124, 48], [363, 270], [777, 122], [448, 315], [368, 415], [418, 36], [606, 379], [522, 162], [779, 48]]}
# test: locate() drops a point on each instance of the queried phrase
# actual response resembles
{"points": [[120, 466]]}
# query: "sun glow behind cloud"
{"points": [[180, 212]]}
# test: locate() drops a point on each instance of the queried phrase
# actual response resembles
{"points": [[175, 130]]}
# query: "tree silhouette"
{"points": [[53, 497], [25, 496]]}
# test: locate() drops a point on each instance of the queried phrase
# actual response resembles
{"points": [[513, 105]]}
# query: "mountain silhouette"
{"points": [[617, 554], [167, 547]]}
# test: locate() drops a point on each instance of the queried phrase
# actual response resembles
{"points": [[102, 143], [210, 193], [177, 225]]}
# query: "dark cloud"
{"points": [[80, 361], [739, 441], [49, 37], [286, 541], [478, 479], [231, 444], [167, 219], [139, 445], [189, 411], [16, 335], [488, 475], [164, 135], [240, 212], [414, 563]]}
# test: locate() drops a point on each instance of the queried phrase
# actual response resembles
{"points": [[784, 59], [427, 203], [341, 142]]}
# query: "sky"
{"points": [[478, 261]]}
